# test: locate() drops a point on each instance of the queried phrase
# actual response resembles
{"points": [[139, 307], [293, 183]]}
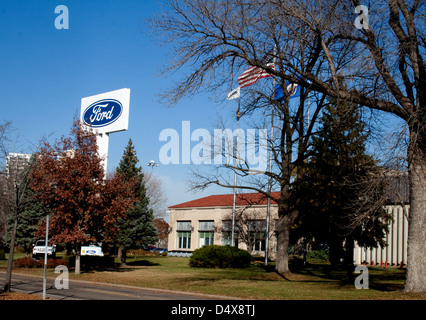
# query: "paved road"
{"points": [[84, 290]]}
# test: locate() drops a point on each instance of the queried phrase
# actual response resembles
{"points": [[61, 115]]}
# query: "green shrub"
{"points": [[318, 255], [214, 256]]}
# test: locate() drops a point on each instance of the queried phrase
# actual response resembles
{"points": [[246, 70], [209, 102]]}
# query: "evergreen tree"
{"points": [[137, 227], [335, 181]]}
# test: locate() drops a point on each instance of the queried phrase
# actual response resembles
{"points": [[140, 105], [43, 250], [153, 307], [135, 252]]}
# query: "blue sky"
{"points": [[45, 72]]}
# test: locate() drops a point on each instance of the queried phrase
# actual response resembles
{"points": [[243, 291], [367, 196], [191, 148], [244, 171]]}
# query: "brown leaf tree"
{"points": [[162, 231], [69, 180]]}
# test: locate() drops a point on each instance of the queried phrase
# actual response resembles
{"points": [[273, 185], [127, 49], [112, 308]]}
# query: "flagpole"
{"points": [[268, 205], [235, 179]]}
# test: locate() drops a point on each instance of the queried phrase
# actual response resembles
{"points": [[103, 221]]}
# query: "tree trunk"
{"points": [[349, 252], [8, 280], [335, 248], [416, 254], [123, 258], [77, 269], [119, 253], [284, 225], [349, 259]]}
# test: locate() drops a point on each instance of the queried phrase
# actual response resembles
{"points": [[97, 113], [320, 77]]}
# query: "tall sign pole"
{"points": [[102, 140], [46, 245]]}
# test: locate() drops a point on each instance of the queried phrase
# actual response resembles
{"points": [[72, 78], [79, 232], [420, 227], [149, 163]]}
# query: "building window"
{"points": [[184, 226], [206, 232], [227, 233], [205, 238], [258, 241], [206, 225], [226, 239], [184, 240], [184, 234], [257, 234], [275, 241]]}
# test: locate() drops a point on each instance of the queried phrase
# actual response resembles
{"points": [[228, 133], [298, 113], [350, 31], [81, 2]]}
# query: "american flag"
{"points": [[252, 74]]}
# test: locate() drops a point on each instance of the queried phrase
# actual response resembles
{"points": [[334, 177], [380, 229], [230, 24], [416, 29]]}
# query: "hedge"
{"points": [[28, 262], [215, 256]]}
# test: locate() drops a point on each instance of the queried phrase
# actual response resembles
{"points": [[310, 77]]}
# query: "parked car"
{"points": [[159, 250], [39, 249]]}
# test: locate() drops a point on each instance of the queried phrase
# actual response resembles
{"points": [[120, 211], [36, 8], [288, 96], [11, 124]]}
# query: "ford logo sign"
{"points": [[102, 113], [90, 251]]}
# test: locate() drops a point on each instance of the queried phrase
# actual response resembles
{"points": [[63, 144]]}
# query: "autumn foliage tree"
{"points": [[162, 228], [69, 181]]}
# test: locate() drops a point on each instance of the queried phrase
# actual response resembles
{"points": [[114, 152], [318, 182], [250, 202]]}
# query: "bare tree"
{"points": [[155, 193], [5, 128], [250, 227], [387, 74], [319, 46], [221, 39], [14, 198], [3, 213]]}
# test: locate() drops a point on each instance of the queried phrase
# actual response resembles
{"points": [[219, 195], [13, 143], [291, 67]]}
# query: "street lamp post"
{"points": [[152, 164]]}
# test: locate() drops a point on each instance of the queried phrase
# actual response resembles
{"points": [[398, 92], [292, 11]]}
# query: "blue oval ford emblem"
{"points": [[102, 113]]}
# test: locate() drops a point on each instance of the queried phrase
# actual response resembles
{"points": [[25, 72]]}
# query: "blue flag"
{"points": [[293, 89]]}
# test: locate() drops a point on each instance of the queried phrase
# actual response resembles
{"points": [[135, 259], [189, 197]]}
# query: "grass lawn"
{"points": [[315, 281]]}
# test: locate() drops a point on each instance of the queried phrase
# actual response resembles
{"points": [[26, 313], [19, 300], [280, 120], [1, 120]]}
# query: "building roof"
{"points": [[226, 200], [396, 191]]}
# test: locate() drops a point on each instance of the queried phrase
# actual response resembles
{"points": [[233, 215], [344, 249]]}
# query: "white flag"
{"points": [[234, 94]]}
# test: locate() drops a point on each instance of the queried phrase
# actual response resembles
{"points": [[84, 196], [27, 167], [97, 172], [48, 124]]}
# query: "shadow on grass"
{"points": [[142, 263], [384, 280], [379, 279], [97, 264]]}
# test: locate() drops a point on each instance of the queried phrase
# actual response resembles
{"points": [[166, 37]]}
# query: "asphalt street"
{"points": [[84, 290]]}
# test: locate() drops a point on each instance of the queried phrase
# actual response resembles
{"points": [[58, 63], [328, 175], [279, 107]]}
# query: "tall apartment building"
{"points": [[16, 163]]}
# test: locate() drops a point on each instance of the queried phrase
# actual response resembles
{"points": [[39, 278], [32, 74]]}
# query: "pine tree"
{"points": [[137, 227], [336, 173]]}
